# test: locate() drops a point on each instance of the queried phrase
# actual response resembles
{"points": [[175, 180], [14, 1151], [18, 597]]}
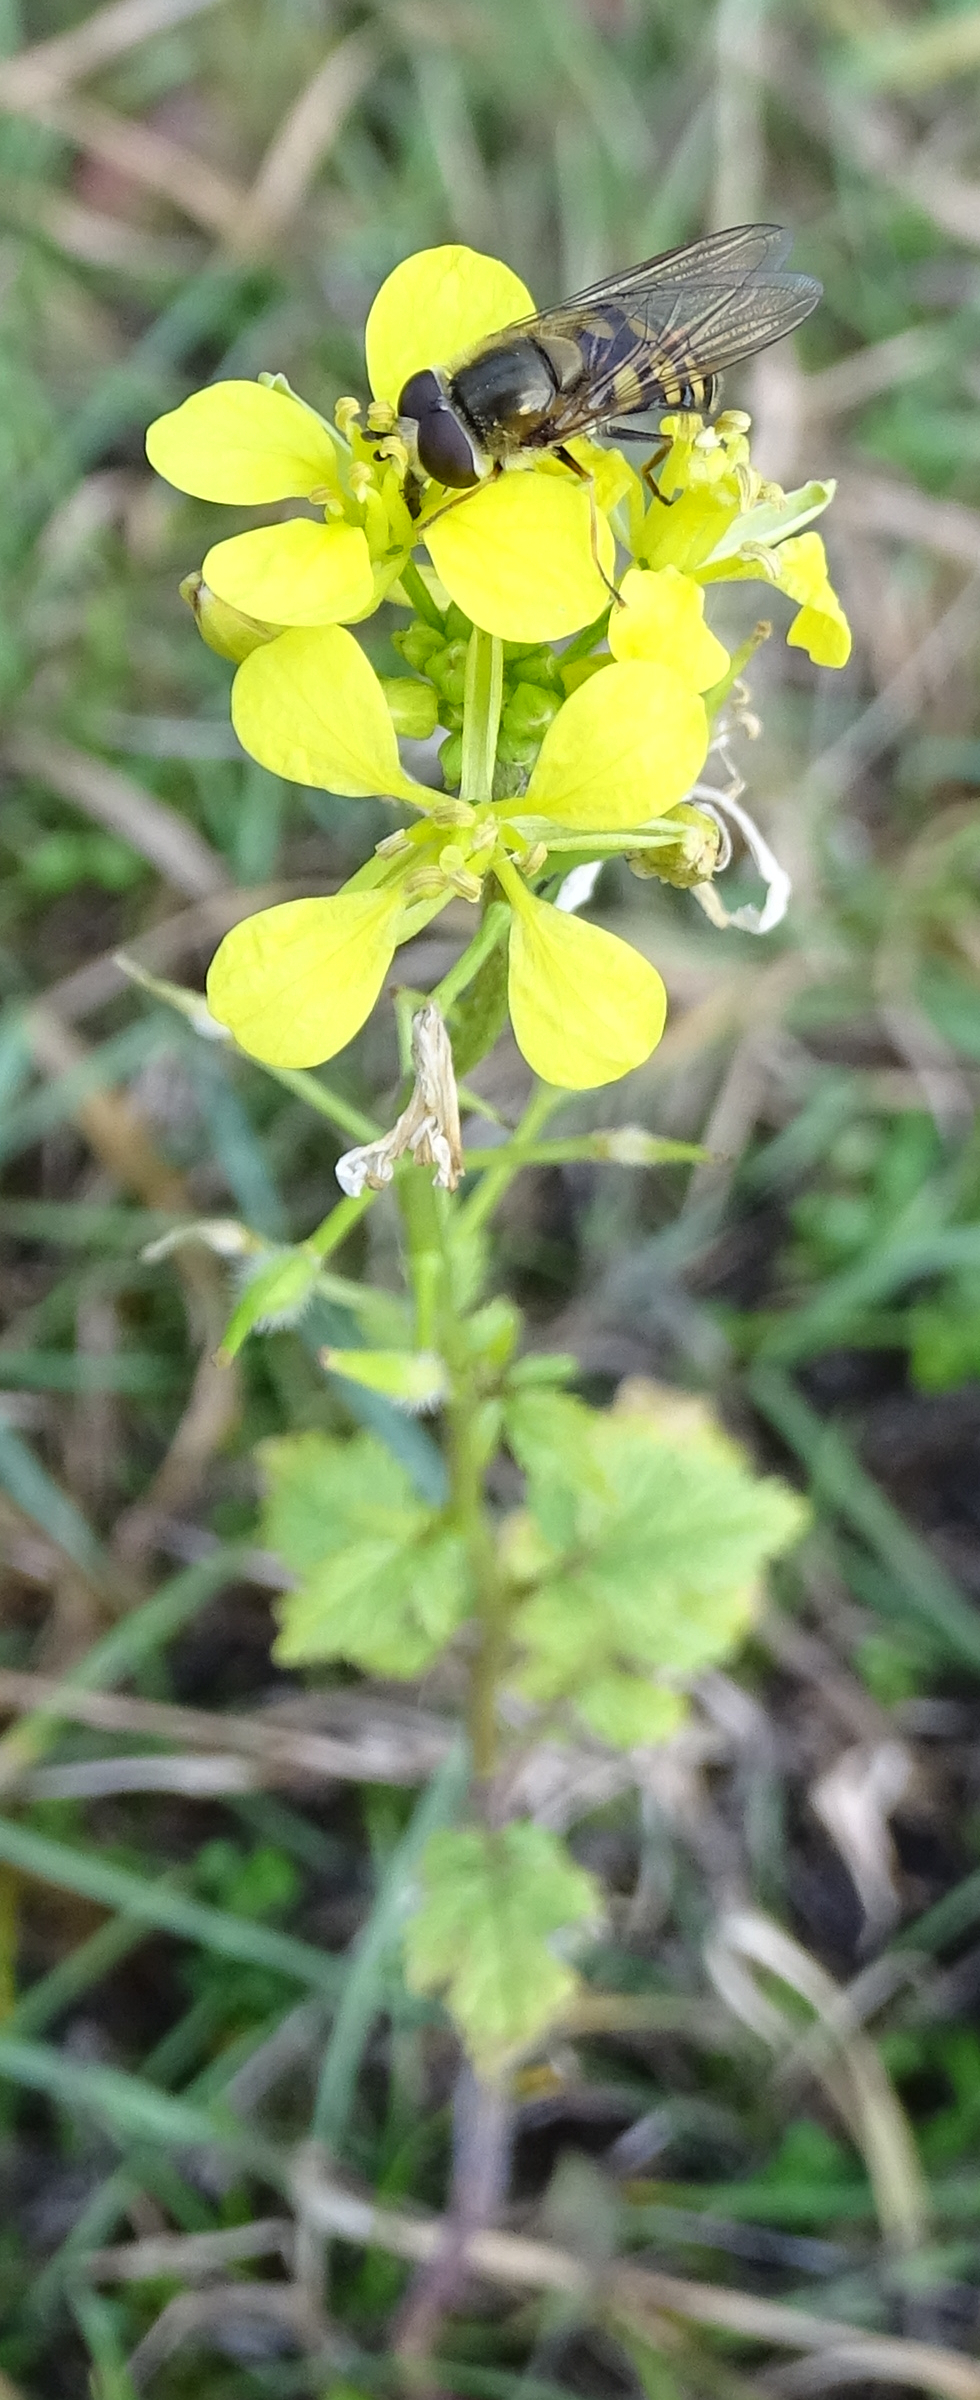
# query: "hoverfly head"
{"points": [[444, 448]]}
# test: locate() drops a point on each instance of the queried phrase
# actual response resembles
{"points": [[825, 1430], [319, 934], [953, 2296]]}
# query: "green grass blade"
{"points": [[363, 1992], [841, 1484], [157, 1904]]}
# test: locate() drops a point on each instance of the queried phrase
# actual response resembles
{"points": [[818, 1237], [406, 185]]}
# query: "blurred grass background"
{"points": [[198, 188]]}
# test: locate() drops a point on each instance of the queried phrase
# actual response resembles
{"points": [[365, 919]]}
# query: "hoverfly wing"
{"points": [[674, 320], [727, 257]]}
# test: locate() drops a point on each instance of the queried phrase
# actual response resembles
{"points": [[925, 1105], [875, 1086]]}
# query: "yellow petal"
{"points": [[516, 556], [311, 708], [242, 442], [626, 746], [686, 532], [611, 473], [821, 627], [823, 633], [662, 618], [300, 573], [295, 983], [585, 1007], [433, 308]]}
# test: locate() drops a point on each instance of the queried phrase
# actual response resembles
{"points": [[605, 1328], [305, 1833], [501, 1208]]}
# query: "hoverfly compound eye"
{"points": [[419, 394], [445, 449]]}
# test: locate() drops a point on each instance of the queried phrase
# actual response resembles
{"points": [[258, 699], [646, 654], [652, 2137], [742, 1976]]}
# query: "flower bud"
{"points": [[451, 760], [458, 626], [517, 750], [691, 859], [540, 666], [412, 706], [529, 711], [224, 629], [448, 672], [417, 644]]}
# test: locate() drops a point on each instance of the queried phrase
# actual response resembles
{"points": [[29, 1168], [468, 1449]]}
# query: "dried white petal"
{"points": [[429, 1127], [748, 919], [223, 1234], [579, 886]]}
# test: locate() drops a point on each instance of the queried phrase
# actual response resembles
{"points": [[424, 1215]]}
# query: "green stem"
{"points": [[340, 1222], [482, 698], [488, 936], [428, 1218], [466, 1469], [509, 1160], [417, 591], [327, 1103]]}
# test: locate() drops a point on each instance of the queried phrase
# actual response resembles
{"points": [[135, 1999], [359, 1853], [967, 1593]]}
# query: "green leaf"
{"points": [[493, 1901], [388, 1603], [478, 1016], [664, 1532], [381, 1579], [629, 1712], [414, 1379], [276, 1294], [321, 1492]]}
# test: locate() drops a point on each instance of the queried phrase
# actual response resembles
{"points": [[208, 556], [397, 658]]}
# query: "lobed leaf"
{"points": [[662, 1545], [493, 1901]]}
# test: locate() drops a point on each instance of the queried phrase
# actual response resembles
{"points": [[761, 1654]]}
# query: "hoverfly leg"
{"points": [[459, 498], [589, 480], [648, 473]]}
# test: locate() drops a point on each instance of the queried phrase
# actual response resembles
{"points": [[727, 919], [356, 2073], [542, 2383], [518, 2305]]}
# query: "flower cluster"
{"points": [[551, 756]]}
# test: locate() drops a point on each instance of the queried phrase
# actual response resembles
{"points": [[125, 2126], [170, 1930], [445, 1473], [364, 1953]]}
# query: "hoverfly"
{"points": [[657, 337]]}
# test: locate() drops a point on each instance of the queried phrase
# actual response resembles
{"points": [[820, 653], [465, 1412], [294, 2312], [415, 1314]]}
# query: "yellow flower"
{"points": [[724, 523], [516, 554], [294, 983], [561, 758]]}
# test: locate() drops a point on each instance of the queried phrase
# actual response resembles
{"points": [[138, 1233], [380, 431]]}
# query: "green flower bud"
{"points": [[224, 629], [458, 627], [691, 859], [493, 1333], [417, 644], [447, 670], [541, 666], [451, 761], [529, 711], [412, 705], [517, 750], [509, 779]]}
